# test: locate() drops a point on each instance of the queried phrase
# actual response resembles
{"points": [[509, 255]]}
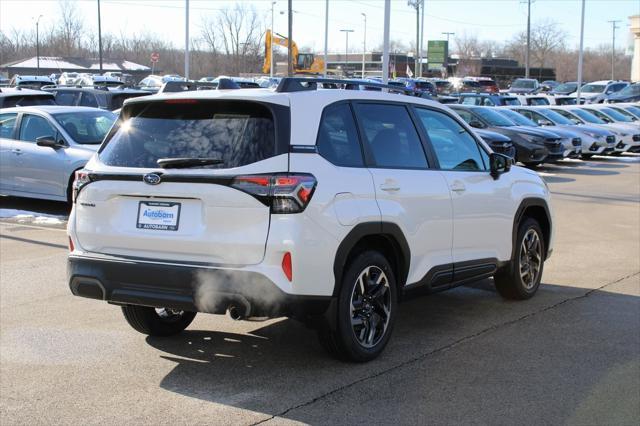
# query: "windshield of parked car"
{"points": [[494, 118], [524, 84], [624, 112], [634, 109], [593, 88], [22, 100], [555, 117], [633, 90], [616, 115], [587, 116], [518, 118], [86, 127], [566, 88]]}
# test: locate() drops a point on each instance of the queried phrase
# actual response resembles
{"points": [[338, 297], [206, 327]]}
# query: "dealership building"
{"points": [[56, 65]]}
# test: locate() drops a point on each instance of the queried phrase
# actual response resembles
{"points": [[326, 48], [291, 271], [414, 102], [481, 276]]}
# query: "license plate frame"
{"points": [[162, 221]]}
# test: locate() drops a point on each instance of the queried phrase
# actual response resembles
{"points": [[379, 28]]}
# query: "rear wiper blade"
{"points": [[185, 163]]}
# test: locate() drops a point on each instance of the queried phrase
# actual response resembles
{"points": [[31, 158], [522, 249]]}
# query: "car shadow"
{"points": [[56, 208], [279, 365], [557, 179]]}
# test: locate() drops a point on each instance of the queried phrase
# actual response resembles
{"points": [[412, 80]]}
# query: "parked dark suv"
{"points": [[104, 98]]}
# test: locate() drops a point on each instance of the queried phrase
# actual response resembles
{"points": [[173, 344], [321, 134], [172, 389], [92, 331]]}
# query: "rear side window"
{"points": [[391, 136], [30, 100], [455, 148], [67, 98], [236, 132], [338, 138], [7, 124], [88, 100]]}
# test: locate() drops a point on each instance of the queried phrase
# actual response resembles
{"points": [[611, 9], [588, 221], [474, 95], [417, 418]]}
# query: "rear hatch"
{"points": [[209, 213]]}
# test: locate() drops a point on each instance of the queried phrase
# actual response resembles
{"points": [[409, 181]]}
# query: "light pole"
{"points": [[99, 37], [346, 50], [385, 41], [38, 42], [580, 55], [446, 56], [186, 40], [326, 36], [416, 4], [290, 58], [364, 42], [614, 27], [526, 70], [273, 3]]}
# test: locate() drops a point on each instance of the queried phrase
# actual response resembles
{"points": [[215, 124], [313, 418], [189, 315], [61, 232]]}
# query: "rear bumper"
{"points": [[186, 288]]}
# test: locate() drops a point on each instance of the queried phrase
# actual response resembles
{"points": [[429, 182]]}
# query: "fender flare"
{"points": [[388, 230], [524, 205]]}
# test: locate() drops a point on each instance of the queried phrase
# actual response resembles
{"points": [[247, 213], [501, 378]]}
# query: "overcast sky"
{"points": [[493, 20]]}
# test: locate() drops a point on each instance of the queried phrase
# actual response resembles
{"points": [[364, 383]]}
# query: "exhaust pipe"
{"points": [[235, 312]]}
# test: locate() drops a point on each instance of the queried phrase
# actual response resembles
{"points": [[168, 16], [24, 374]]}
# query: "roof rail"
{"points": [[301, 84], [186, 86]]}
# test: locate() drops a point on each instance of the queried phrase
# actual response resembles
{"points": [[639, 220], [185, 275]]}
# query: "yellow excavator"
{"points": [[304, 63]]}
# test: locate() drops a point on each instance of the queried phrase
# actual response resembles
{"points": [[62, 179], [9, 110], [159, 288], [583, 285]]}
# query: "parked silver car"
{"points": [[41, 147]]}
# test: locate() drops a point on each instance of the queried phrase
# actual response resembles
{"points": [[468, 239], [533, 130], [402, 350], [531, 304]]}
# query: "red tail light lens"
{"points": [[283, 193], [286, 266], [81, 179]]}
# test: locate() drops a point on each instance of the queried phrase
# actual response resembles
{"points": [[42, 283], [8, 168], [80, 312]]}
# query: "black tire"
{"points": [[375, 310], [157, 322], [532, 164], [586, 156], [509, 280]]}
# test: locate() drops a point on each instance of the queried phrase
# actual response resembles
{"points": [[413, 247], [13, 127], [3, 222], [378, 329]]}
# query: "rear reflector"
{"points": [[71, 246], [286, 266]]}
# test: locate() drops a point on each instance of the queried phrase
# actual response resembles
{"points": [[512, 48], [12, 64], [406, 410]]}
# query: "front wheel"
{"points": [[521, 278], [366, 310], [157, 321]]}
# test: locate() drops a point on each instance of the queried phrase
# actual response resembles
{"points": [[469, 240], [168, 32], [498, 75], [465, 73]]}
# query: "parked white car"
{"points": [[41, 147], [321, 205]]}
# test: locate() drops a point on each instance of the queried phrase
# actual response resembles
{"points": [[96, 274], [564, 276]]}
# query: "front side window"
{"points": [[67, 98], [88, 100], [338, 137], [7, 124], [237, 133], [391, 136], [455, 148], [33, 127]]}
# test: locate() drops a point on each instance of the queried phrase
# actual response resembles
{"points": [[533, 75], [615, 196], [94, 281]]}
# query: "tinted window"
{"points": [[511, 101], [7, 124], [455, 148], [521, 118], [29, 100], [66, 98], [88, 100], [470, 101], [391, 136], [33, 127], [86, 127], [238, 133], [118, 99], [538, 101], [338, 137]]}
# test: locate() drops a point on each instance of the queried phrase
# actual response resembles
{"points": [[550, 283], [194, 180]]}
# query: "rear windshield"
{"points": [[487, 83], [22, 100], [236, 132]]}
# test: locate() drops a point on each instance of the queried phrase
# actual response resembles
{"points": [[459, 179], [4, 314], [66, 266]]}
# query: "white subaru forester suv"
{"points": [[324, 205]]}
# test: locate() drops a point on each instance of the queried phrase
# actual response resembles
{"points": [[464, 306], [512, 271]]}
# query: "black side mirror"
{"points": [[499, 164], [49, 141], [477, 124]]}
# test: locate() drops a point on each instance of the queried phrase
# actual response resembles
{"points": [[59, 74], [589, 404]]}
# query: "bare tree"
{"points": [[70, 28]]}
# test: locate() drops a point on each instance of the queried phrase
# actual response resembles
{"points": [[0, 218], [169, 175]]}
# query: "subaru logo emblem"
{"points": [[151, 178]]}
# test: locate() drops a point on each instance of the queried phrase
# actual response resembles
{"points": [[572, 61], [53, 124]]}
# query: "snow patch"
{"points": [[33, 217]]}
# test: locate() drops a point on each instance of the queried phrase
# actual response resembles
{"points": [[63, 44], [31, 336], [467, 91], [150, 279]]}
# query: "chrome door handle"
{"points": [[390, 185], [458, 186]]}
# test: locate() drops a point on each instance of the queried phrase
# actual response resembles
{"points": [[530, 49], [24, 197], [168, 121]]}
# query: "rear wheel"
{"points": [[532, 164], [521, 278], [366, 310], [157, 321]]}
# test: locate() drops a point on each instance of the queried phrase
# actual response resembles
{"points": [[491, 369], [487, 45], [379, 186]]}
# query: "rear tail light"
{"points": [[283, 193], [82, 178]]}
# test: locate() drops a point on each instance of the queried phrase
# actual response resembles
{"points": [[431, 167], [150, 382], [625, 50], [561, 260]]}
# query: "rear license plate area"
{"points": [[158, 216]]}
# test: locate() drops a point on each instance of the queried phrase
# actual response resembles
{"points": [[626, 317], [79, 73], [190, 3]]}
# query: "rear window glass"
{"points": [[66, 98], [12, 101], [238, 133]]}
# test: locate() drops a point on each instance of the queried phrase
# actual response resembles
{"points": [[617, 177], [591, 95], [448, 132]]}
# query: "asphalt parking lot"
{"points": [[571, 355]]}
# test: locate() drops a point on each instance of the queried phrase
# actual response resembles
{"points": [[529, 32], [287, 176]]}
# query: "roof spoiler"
{"points": [[302, 84]]}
